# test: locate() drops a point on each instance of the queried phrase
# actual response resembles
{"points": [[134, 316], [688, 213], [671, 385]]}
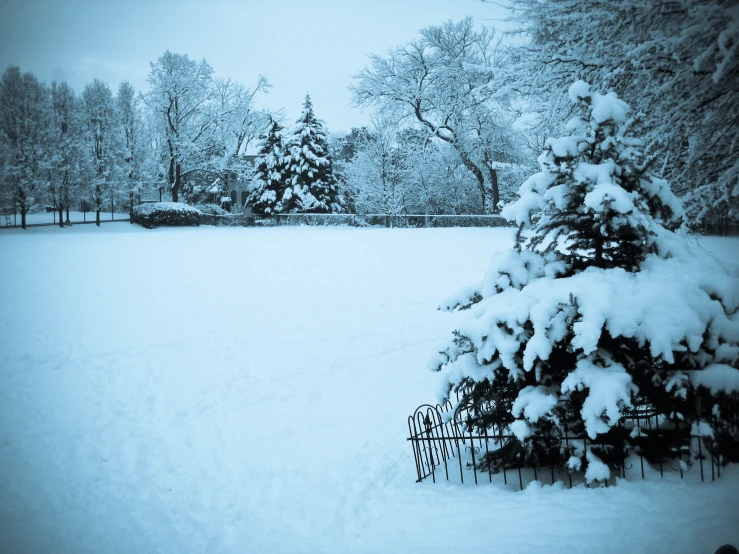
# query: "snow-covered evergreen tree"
{"points": [[675, 61], [598, 309], [268, 184], [310, 185]]}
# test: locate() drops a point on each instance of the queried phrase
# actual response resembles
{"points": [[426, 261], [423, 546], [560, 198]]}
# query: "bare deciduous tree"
{"points": [[444, 83]]}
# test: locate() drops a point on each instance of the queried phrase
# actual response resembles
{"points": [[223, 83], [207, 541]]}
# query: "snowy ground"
{"points": [[246, 390]]}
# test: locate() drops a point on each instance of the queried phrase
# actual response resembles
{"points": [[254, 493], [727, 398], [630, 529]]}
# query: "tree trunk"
{"points": [[176, 184], [469, 164], [98, 204], [66, 194], [20, 200], [599, 252], [493, 175], [130, 210], [60, 209]]}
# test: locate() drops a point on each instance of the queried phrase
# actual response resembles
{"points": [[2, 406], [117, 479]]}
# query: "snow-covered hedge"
{"points": [[166, 214], [211, 209], [230, 220]]}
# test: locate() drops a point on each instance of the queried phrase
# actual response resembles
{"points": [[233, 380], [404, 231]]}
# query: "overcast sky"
{"points": [[300, 45]]}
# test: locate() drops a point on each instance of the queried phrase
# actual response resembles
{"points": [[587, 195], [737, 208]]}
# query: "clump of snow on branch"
{"points": [[718, 377], [597, 470]]}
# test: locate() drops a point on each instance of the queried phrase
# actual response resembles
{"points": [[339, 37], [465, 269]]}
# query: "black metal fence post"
{"points": [[427, 424], [487, 456]]}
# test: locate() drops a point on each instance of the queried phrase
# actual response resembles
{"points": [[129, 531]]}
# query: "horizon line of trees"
{"points": [[185, 135], [459, 117]]}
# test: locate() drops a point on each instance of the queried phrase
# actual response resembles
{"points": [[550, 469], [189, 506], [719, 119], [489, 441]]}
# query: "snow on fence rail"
{"points": [[251, 220], [355, 220], [319, 220], [445, 443], [399, 220], [41, 219], [418, 220]]}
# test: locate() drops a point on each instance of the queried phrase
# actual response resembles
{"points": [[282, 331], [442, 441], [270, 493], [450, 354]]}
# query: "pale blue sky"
{"points": [[300, 45]]}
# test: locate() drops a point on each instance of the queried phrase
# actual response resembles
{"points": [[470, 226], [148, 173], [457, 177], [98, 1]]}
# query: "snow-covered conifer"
{"points": [[311, 185], [598, 309], [268, 184], [676, 62]]}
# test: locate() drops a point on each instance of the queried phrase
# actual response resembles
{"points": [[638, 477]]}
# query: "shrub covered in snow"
{"points": [[600, 308], [165, 214], [211, 209]]}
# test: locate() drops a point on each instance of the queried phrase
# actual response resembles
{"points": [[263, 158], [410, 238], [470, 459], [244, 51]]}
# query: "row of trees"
{"points": [[52, 140], [459, 118], [59, 148], [295, 174], [189, 131], [493, 104]]}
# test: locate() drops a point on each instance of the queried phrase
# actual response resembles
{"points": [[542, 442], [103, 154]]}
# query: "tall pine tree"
{"points": [[599, 309], [268, 184], [311, 186]]}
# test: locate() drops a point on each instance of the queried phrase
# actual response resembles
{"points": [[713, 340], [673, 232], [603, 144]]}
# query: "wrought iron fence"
{"points": [[355, 220], [313, 220], [445, 445], [721, 227], [443, 220], [49, 219]]}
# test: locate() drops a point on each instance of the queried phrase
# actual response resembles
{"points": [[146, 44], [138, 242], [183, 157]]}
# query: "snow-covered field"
{"points": [[246, 390]]}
